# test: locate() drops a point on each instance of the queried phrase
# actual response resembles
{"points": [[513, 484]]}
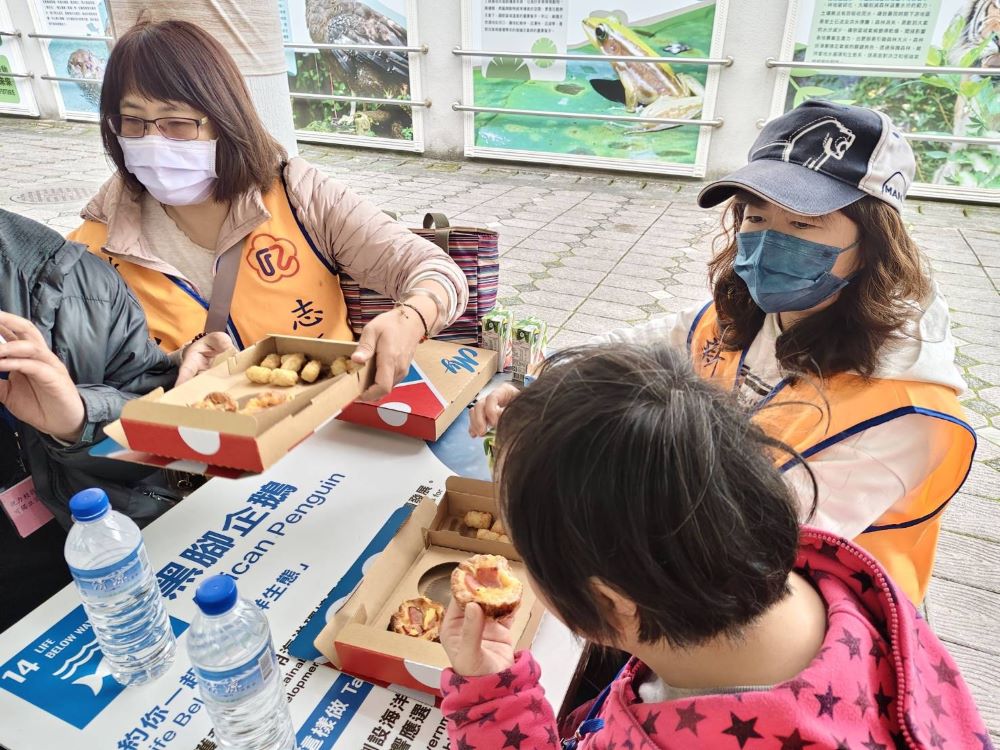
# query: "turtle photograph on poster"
{"points": [[934, 33], [673, 30], [77, 58], [379, 74]]}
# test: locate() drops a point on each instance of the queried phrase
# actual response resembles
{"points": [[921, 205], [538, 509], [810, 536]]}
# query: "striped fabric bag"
{"points": [[475, 250]]}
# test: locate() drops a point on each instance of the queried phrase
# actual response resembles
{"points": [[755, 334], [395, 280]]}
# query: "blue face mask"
{"points": [[786, 273]]}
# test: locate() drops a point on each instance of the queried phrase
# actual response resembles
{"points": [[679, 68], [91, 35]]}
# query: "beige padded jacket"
{"points": [[353, 233]]}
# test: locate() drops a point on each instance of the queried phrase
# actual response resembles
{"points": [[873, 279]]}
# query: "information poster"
{"points": [[286, 538], [673, 29], [15, 93], [931, 33], [378, 74], [78, 58]]}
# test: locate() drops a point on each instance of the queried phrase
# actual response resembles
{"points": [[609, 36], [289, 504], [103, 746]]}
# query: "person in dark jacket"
{"points": [[75, 349]]}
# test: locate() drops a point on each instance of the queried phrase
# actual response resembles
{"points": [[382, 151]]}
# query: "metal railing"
{"points": [[716, 123], [16, 75], [73, 38], [363, 99], [14, 33], [969, 139], [721, 61], [67, 79], [875, 68], [422, 49]]}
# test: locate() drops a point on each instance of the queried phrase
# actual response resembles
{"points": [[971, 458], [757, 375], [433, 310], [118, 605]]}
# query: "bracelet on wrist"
{"points": [[439, 304], [423, 321]]}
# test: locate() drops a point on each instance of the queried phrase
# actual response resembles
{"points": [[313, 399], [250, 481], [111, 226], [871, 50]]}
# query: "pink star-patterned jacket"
{"points": [[881, 681]]}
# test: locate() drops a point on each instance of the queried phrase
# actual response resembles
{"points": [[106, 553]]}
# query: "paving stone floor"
{"points": [[589, 251]]}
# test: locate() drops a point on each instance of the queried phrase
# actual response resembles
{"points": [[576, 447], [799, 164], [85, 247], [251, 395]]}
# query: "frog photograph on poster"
{"points": [[674, 30], [933, 33]]}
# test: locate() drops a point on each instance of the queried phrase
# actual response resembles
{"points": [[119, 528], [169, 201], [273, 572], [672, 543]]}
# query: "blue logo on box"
{"points": [[63, 671]]}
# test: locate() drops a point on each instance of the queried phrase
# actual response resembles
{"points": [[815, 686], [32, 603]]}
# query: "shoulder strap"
{"points": [[227, 269], [442, 228]]}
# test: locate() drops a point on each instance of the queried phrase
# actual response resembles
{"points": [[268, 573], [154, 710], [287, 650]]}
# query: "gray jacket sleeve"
{"points": [[133, 364]]}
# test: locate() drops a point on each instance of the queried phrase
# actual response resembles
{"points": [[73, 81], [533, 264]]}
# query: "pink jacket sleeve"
{"points": [[499, 710], [377, 252]]}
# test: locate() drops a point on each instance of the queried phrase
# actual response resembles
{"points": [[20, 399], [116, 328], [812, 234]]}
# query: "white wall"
{"points": [[442, 76], [753, 33]]}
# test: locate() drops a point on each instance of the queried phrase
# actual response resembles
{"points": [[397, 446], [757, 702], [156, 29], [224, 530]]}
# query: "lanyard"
{"points": [[591, 722]]}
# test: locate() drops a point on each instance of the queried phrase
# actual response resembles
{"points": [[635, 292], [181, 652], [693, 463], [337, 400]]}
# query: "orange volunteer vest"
{"points": [[904, 538], [285, 286]]}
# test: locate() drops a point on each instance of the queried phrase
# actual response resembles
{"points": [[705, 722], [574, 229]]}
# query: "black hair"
{"points": [[620, 465]]}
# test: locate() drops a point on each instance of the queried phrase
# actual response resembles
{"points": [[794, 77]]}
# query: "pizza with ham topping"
{"points": [[487, 580], [418, 618]]}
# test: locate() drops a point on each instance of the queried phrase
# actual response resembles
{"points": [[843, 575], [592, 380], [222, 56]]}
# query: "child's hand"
{"points": [[476, 646], [486, 413]]}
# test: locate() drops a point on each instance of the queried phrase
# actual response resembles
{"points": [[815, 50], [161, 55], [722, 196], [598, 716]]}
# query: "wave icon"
{"points": [[76, 660]]}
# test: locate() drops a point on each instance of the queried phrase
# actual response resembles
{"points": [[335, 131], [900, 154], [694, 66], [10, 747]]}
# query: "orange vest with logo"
{"points": [[813, 417], [284, 286]]}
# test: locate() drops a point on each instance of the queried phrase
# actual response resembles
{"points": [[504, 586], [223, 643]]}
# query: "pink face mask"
{"points": [[176, 173]]}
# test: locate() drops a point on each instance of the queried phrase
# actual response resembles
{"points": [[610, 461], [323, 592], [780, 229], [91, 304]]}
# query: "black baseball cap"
{"points": [[821, 157]]}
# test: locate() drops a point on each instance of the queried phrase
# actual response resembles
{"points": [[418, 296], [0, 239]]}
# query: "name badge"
{"points": [[24, 508]]}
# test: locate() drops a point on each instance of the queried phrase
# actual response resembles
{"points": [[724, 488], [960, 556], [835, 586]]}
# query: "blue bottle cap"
{"points": [[216, 595], [89, 505]]}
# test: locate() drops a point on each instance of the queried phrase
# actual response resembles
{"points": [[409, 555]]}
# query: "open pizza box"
{"points": [[164, 429], [442, 380], [418, 561]]}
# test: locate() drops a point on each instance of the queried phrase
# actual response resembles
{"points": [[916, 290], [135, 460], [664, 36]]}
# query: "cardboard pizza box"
{"points": [[166, 424], [442, 380], [357, 639]]}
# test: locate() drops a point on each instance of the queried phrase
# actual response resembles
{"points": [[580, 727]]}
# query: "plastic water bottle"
{"points": [[108, 561], [232, 654]]}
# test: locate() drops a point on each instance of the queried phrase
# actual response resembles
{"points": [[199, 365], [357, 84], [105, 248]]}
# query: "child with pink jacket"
{"points": [[650, 517]]}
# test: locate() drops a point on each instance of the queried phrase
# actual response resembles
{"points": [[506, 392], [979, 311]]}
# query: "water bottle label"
{"points": [[235, 684], [112, 578]]}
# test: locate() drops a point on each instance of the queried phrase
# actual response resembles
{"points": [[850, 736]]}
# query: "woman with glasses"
{"points": [[204, 199]]}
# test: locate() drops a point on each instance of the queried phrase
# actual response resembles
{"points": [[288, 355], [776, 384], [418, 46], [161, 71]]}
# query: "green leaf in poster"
{"points": [[971, 89], [979, 162], [939, 82], [513, 68], [544, 46], [803, 73], [934, 57], [810, 92], [971, 57], [954, 32], [936, 154]]}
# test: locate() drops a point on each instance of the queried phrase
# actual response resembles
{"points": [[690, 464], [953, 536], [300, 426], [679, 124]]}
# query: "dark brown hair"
{"points": [[849, 334], [178, 62], [620, 464]]}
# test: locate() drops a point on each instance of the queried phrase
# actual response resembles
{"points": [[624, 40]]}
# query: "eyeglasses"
{"points": [[172, 128]]}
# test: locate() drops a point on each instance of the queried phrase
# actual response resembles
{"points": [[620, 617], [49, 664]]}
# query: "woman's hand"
{"points": [[39, 390], [199, 355], [476, 646], [391, 339], [486, 413]]}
